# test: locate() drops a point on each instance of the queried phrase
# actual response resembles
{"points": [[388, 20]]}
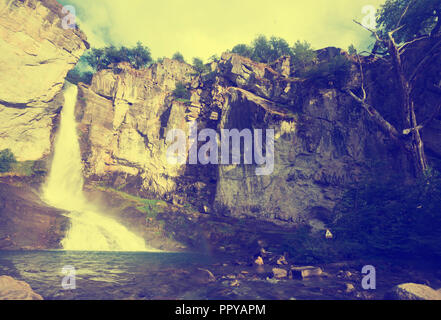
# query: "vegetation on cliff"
{"points": [[7, 158], [384, 215]]}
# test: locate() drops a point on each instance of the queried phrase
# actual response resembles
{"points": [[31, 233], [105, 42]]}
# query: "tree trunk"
{"points": [[416, 145]]}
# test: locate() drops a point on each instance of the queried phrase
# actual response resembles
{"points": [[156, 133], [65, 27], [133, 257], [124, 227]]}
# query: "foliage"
{"points": [[178, 56], [423, 17], [7, 158], [213, 58], [305, 247], [264, 50], [243, 50], [303, 55], [199, 66], [383, 215], [75, 76], [150, 207], [352, 50], [138, 56], [181, 91]]}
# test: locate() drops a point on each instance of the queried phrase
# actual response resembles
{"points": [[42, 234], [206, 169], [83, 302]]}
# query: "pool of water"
{"points": [[152, 275], [105, 275]]}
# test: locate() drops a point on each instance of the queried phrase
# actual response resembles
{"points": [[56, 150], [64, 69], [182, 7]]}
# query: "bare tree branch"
{"points": [[404, 13], [386, 127], [370, 30]]}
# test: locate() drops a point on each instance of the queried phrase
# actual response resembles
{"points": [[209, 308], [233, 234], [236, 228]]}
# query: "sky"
{"points": [[202, 28]]}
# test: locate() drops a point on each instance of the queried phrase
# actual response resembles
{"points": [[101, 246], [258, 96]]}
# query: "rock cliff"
{"points": [[323, 139], [36, 54]]}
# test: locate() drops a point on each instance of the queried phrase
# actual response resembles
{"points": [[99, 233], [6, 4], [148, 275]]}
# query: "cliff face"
{"points": [[323, 139], [36, 54], [124, 116]]}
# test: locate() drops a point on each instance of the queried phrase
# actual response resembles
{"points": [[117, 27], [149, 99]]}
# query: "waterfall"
{"points": [[90, 230]]}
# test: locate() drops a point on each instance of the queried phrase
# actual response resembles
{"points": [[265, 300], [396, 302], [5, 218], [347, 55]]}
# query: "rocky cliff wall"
{"points": [[36, 54], [323, 139]]}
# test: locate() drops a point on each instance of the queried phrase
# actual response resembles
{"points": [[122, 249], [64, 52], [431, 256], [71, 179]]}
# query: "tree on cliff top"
{"points": [[268, 50], [179, 57], [139, 56], [405, 75]]}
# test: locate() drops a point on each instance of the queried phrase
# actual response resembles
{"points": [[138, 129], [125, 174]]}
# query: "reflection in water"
{"points": [[89, 230]]}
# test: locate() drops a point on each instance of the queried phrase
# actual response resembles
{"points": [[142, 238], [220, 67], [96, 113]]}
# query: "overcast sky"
{"points": [[201, 28]]}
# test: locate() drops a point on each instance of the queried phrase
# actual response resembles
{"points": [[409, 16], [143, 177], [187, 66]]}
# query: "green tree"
{"points": [[178, 56], [243, 50], [138, 56], [421, 17], [352, 50], [303, 54], [199, 65], [261, 49], [383, 215], [181, 91], [279, 47], [75, 76], [264, 50], [6, 159]]}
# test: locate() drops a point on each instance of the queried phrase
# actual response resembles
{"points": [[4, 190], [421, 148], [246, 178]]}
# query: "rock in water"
{"points": [[305, 272], [412, 291], [11, 289], [279, 273], [259, 261]]}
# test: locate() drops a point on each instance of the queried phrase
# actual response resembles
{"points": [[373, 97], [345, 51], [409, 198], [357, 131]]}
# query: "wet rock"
{"points": [[305, 272], [11, 289], [282, 261], [203, 276], [412, 291], [234, 283], [279, 273], [259, 261], [349, 288]]}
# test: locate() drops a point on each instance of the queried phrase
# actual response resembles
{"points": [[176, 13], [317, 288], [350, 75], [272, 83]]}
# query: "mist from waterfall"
{"points": [[90, 230]]}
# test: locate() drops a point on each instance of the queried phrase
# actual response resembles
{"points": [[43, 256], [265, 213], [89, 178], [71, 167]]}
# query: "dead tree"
{"points": [[410, 136]]}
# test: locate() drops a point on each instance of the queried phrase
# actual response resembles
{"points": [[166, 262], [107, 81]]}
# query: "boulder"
{"points": [[259, 261], [279, 273], [305, 272], [12, 289], [412, 291]]}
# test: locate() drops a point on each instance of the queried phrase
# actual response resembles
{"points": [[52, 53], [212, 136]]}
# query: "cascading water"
{"points": [[89, 231]]}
